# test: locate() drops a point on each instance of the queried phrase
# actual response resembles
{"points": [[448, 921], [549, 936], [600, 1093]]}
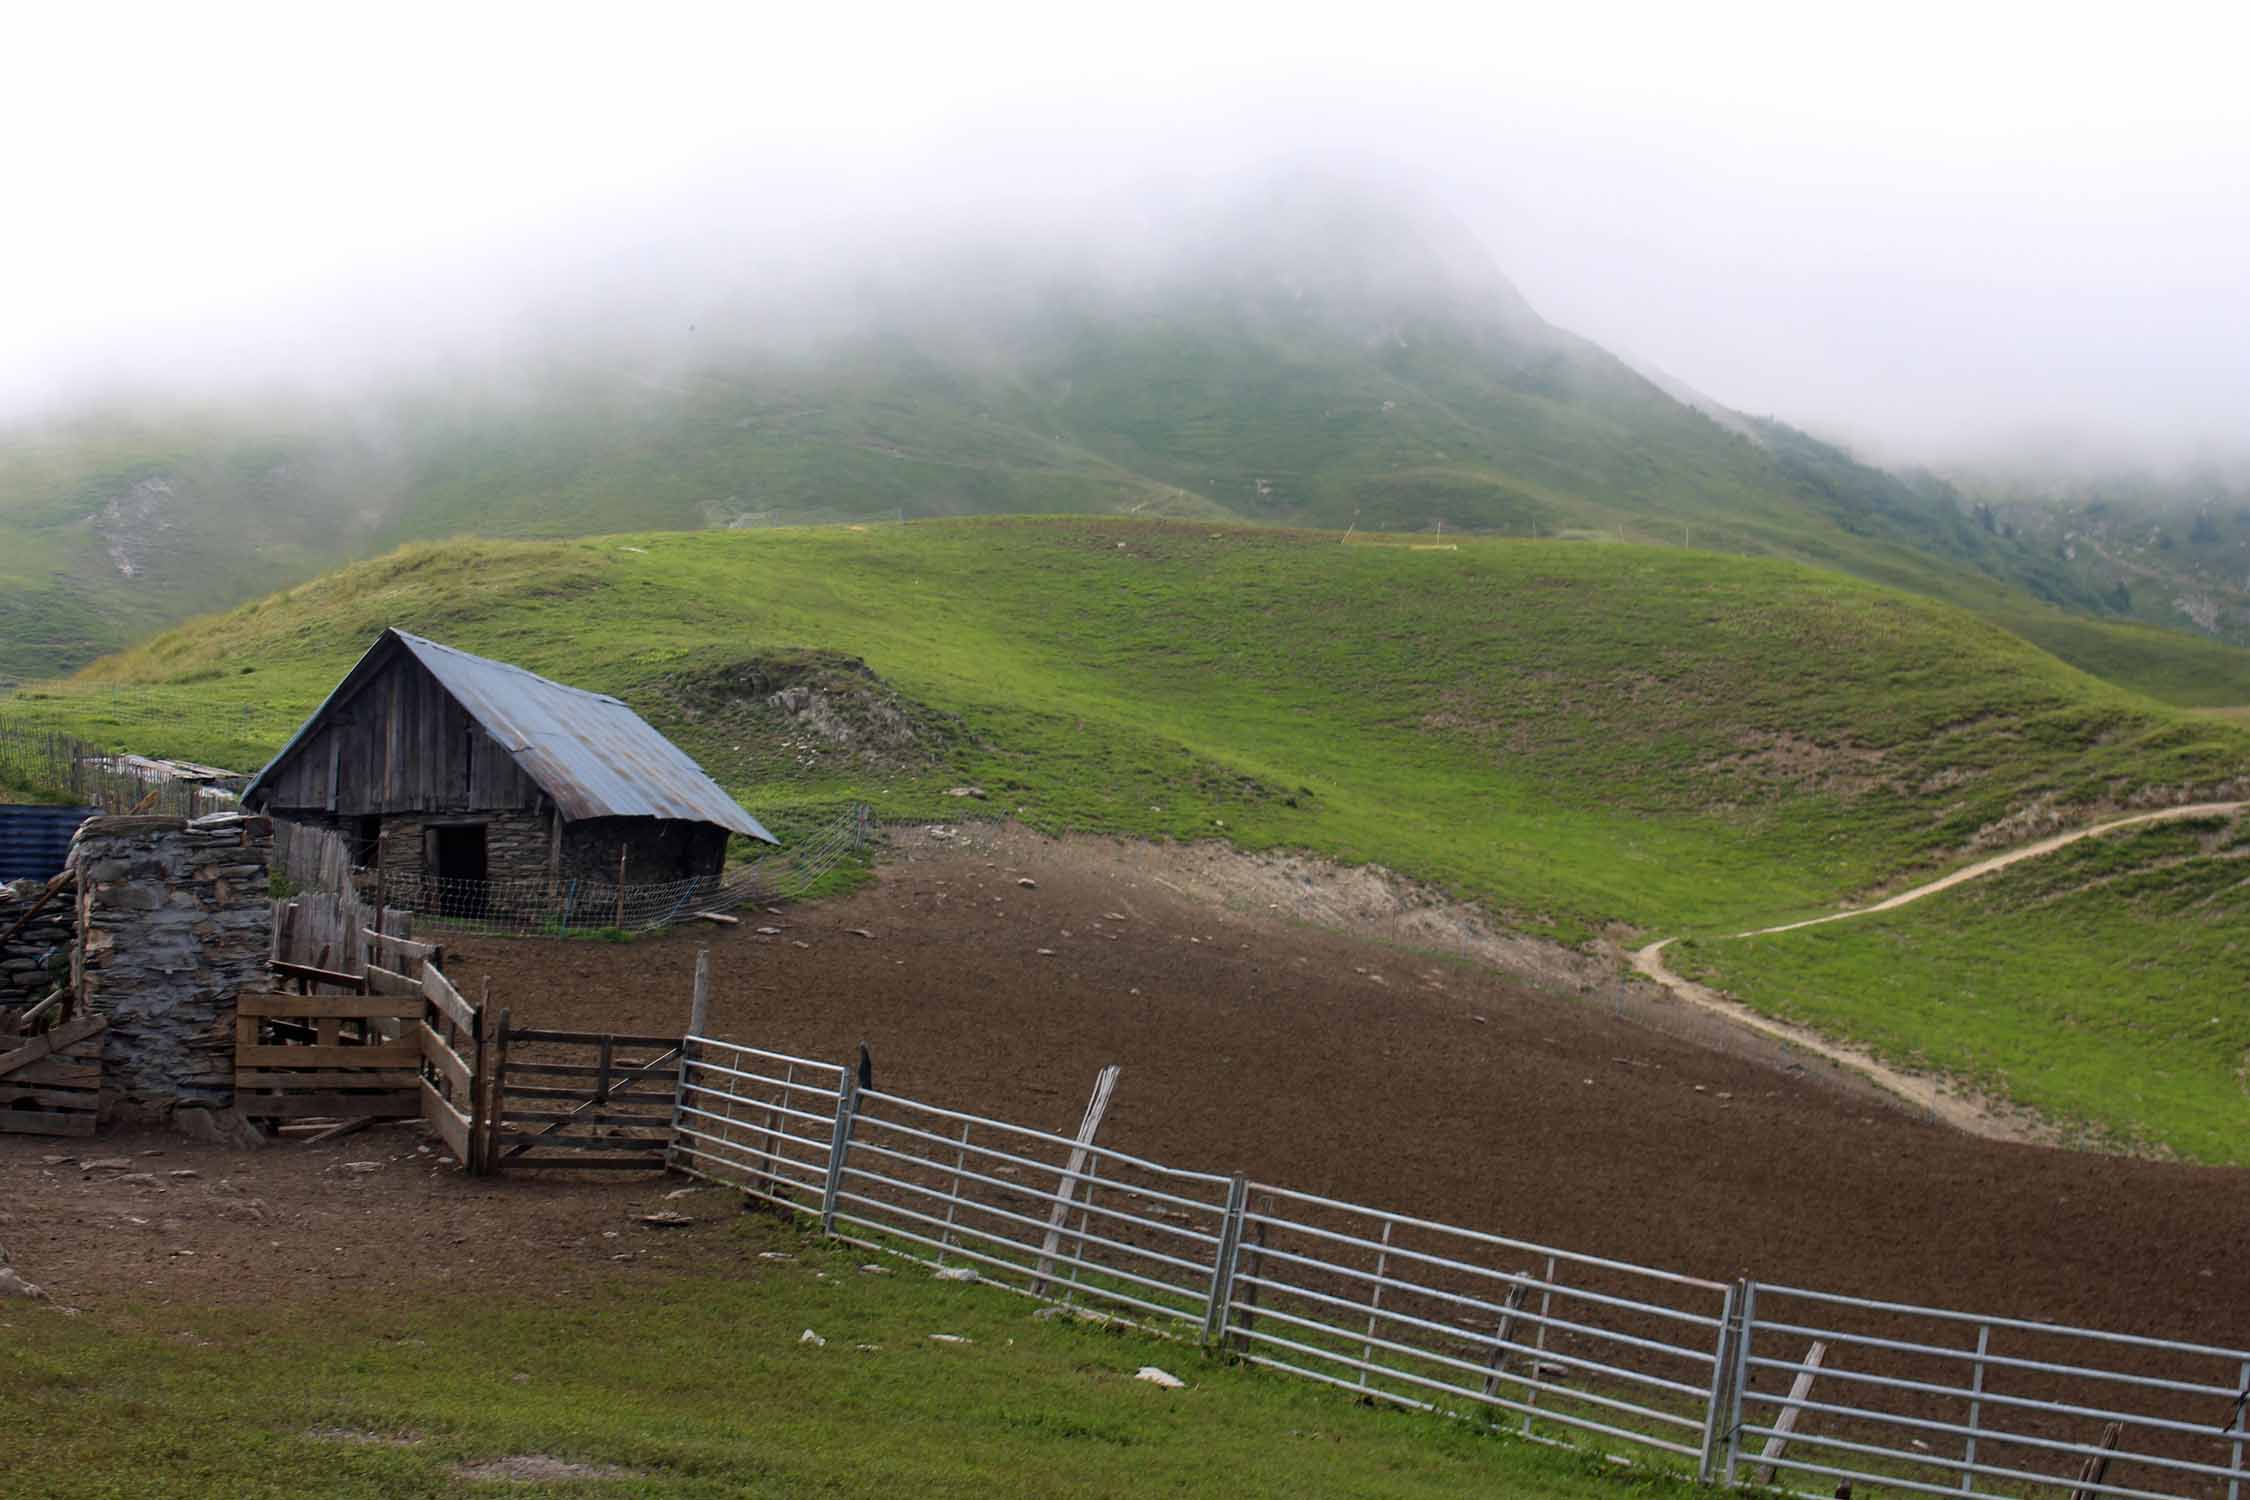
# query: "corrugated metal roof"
{"points": [[35, 839], [588, 751]]}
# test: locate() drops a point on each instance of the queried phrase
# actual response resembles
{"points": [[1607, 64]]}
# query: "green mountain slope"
{"points": [[1304, 359]]}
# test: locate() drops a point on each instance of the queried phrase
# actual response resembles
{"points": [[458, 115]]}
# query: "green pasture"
{"points": [[701, 1384]]}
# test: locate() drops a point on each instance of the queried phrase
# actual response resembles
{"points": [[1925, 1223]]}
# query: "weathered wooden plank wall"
{"points": [[325, 925], [400, 744]]}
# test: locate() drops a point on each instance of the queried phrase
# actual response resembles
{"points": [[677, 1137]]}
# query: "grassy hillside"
{"points": [[1590, 740], [1579, 735], [1302, 361], [2102, 984]]}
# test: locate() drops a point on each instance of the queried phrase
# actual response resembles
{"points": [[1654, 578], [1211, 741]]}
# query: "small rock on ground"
{"points": [[538, 1468]]}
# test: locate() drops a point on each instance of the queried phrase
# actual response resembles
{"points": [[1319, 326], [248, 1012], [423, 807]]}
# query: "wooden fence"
{"points": [[342, 1055], [581, 1100], [449, 1035], [393, 1044], [47, 759], [52, 1084], [327, 925]]}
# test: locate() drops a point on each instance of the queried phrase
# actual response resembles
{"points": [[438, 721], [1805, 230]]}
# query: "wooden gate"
{"points": [[52, 1084], [581, 1100], [448, 1034], [409, 1047]]}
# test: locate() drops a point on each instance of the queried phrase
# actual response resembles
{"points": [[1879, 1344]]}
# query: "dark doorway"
{"points": [[457, 859]]}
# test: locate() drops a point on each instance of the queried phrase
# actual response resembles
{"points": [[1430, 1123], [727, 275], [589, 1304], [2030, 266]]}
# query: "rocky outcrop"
{"points": [[132, 522]]}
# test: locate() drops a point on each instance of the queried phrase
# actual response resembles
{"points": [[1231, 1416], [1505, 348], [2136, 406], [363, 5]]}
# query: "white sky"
{"points": [[1931, 227]]}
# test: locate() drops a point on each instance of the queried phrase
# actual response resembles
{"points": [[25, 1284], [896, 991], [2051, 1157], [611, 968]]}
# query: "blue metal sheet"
{"points": [[588, 751], [35, 840]]}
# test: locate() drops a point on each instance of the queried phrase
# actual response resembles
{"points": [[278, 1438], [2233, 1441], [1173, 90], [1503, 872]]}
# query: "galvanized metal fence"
{"points": [[1428, 1315], [1743, 1382], [1926, 1401]]}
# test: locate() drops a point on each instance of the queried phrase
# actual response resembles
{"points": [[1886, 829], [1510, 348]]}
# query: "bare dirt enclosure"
{"points": [[1613, 1121], [996, 971]]}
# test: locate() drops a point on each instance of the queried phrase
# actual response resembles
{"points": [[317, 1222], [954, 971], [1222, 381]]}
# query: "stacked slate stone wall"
{"points": [[174, 920], [517, 845], [655, 851], [37, 958]]}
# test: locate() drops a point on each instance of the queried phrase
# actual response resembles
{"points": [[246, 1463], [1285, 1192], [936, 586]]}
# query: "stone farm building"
{"points": [[455, 768]]}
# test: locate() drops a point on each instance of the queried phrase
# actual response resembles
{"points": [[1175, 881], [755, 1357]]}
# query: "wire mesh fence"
{"points": [[48, 761]]}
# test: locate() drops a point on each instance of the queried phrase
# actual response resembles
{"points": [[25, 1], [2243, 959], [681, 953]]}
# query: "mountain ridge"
{"points": [[1303, 357]]}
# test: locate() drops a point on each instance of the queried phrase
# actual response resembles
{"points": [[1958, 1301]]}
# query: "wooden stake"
{"points": [[1105, 1084], [699, 1009], [621, 888], [496, 1101], [1502, 1337], [331, 1132], [480, 1087], [382, 880], [2096, 1467], [1799, 1389]]}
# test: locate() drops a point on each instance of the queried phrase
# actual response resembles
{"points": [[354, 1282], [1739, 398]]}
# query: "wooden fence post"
{"points": [[774, 1125], [480, 1148], [1253, 1251], [1375, 1304], [2096, 1467], [953, 1199], [1786, 1423], [1066, 1191], [699, 1017], [497, 1101], [1510, 1306]]}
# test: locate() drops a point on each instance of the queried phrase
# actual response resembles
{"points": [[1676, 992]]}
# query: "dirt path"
{"points": [[1957, 1107]]}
